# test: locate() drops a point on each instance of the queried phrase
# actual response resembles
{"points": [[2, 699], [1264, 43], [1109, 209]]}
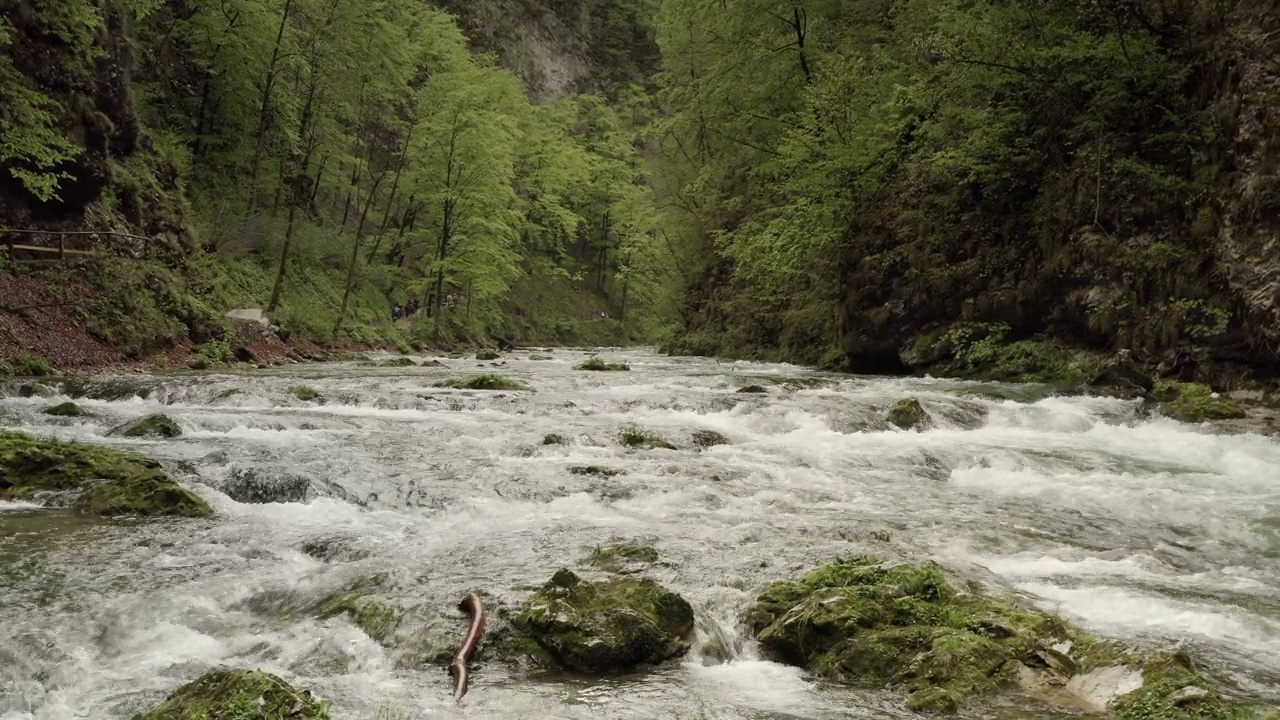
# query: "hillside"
{"points": [[976, 188], [318, 158]]}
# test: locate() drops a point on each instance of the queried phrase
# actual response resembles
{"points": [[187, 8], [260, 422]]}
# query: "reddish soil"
{"points": [[37, 320]]}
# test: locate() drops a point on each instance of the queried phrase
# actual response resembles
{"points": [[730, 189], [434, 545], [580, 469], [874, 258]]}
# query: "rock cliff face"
{"points": [[1248, 242], [564, 47]]}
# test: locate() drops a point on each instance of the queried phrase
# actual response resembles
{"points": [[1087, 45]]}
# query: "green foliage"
{"points": [[1196, 403], [216, 352], [849, 174], [27, 366]]}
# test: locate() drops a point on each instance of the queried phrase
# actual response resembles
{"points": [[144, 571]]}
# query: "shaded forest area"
{"points": [[975, 187], [994, 188]]}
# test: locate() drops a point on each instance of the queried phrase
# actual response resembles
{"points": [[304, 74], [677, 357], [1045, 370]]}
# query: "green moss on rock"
{"points": [[487, 355], [114, 482], [34, 389], [639, 438], [483, 382], [239, 695], [861, 620], [151, 426], [752, 390], [1195, 403], [376, 618], [908, 415], [66, 409], [305, 393], [397, 362], [600, 365], [624, 558], [598, 627]]}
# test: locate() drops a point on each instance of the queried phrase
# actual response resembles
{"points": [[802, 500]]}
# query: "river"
{"points": [[1132, 525]]}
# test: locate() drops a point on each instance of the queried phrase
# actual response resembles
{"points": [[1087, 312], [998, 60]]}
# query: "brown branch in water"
{"points": [[472, 606]]}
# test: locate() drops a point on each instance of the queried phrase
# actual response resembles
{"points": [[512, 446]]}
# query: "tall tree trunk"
{"points": [[264, 107], [296, 196], [446, 229], [395, 184], [355, 251]]}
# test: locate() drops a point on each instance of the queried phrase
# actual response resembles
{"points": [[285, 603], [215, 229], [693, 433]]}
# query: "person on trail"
{"points": [[395, 311]]}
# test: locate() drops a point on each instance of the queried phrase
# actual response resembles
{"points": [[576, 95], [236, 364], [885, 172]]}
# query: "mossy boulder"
{"points": [[487, 355], [483, 382], [305, 393], [66, 409], [600, 365], [640, 438], [1169, 686], [624, 559], [600, 627], [111, 482], [554, 439], [151, 426], [34, 389], [908, 414], [239, 695], [397, 362], [1196, 403], [753, 390], [861, 620]]}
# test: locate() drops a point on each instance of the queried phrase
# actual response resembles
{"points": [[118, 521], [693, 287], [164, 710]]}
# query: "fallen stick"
{"points": [[472, 606]]}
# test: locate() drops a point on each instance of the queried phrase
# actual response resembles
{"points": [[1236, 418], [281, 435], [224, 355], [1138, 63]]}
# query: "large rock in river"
{"points": [[597, 627], [107, 481], [860, 620], [239, 695], [153, 426]]}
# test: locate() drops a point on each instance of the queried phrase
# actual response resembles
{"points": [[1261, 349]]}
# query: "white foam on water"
{"points": [[1144, 529]]}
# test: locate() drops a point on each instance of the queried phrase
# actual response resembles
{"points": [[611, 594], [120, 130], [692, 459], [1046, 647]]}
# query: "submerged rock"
{"points": [[624, 559], [708, 438], [599, 364], [639, 438], [375, 617], [860, 620], [110, 482], [554, 439], [66, 409], [239, 695], [259, 486], [752, 389], [908, 414], [397, 362], [598, 627], [487, 355], [154, 426], [483, 382]]}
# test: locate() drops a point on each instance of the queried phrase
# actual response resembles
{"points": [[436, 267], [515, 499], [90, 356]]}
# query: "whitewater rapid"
{"points": [[1132, 525]]}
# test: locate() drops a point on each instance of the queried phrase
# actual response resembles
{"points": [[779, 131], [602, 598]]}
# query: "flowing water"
{"points": [[1136, 527]]}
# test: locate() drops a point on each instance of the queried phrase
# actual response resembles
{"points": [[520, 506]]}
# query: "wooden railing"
{"points": [[13, 241]]}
